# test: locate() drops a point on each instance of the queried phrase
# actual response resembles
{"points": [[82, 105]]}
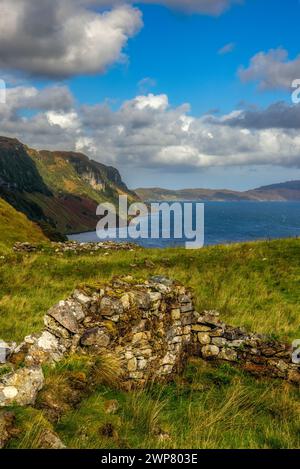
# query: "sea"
{"points": [[225, 223]]}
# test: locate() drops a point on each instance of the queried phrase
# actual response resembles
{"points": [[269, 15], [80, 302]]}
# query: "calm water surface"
{"points": [[230, 222]]}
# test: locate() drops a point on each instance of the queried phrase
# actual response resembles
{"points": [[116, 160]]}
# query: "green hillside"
{"points": [[58, 190], [255, 285], [14, 226]]}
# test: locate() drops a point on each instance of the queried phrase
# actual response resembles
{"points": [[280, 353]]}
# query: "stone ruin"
{"points": [[75, 247], [151, 327]]}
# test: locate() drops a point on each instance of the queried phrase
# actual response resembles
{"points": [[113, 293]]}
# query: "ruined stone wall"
{"points": [[150, 327]]}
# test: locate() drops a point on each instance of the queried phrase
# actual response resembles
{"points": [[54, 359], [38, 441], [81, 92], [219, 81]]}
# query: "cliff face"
{"points": [[17, 170], [60, 190]]}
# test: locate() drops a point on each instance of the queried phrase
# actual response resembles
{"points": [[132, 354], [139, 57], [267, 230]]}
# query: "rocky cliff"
{"points": [[59, 190]]}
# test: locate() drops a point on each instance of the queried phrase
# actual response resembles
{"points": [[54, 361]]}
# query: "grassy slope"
{"points": [[14, 226], [205, 407], [255, 285]]}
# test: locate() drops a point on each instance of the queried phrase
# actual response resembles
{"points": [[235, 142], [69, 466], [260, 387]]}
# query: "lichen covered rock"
{"points": [[21, 386]]}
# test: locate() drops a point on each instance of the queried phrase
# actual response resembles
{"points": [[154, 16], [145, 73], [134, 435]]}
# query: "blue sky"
{"points": [[180, 52], [97, 101]]}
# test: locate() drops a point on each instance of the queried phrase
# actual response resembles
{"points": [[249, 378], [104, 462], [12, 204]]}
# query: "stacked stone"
{"points": [[25, 247], [214, 340], [74, 246], [146, 326], [151, 327]]}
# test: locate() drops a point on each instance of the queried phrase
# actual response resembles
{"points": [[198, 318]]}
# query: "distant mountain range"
{"points": [[59, 190], [286, 191]]}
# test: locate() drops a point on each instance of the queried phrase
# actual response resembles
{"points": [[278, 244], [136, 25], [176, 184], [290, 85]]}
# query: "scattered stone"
{"points": [[45, 348], [204, 338], [82, 298], [21, 387], [236, 343], [111, 406], [139, 337], [125, 301], [228, 354], [142, 300], [77, 248], [210, 351], [163, 280], [186, 308], [200, 328], [50, 440], [95, 336], [132, 364], [110, 307], [176, 314], [219, 341], [155, 296], [67, 313]]}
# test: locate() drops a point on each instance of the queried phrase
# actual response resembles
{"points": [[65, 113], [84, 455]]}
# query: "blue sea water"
{"points": [[230, 222]]}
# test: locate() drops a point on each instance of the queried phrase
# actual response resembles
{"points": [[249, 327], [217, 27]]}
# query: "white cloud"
{"points": [[68, 121], [147, 132], [151, 101], [272, 70], [60, 38], [227, 48]]}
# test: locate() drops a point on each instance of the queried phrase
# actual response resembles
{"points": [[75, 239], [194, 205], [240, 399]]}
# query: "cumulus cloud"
{"points": [[60, 38], [276, 116], [148, 132], [272, 70]]}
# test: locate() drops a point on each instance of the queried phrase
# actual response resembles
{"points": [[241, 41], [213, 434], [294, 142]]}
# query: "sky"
{"points": [[194, 93]]}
